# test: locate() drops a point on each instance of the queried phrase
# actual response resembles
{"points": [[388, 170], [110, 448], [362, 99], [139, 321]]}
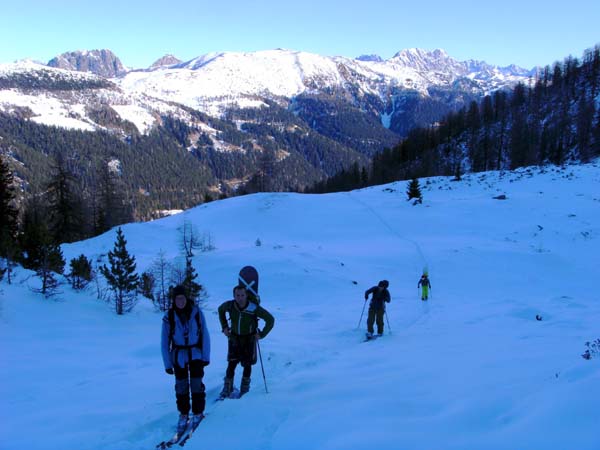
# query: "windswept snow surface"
{"points": [[470, 369]]}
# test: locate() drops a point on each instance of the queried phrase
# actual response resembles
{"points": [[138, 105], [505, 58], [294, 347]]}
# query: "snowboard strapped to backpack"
{"points": [[248, 278]]}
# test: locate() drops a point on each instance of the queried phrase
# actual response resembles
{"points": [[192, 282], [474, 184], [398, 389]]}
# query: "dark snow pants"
{"points": [[241, 349], [186, 379], [375, 314]]}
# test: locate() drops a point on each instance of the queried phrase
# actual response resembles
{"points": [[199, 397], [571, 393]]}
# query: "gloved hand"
{"points": [[366, 296], [205, 363], [170, 371]]}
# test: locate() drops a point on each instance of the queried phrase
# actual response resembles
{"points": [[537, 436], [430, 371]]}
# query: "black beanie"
{"points": [[383, 283], [178, 290]]}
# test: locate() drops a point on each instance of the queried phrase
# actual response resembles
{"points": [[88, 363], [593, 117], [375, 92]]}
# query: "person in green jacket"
{"points": [[425, 285], [241, 329]]}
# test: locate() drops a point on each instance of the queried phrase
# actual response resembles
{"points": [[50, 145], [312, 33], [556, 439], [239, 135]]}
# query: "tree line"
{"points": [[552, 120], [34, 243]]}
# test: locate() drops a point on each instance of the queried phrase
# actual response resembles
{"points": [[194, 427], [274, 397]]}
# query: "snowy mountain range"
{"points": [[216, 82], [305, 115]]}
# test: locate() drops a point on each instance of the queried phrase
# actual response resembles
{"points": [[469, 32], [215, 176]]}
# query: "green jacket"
{"points": [[245, 321]]}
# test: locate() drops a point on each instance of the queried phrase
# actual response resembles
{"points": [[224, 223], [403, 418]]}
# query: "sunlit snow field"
{"points": [[470, 369]]}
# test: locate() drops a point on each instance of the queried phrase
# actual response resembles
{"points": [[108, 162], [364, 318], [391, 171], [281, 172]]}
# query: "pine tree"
{"points": [[9, 250], [51, 262], [121, 276], [193, 290], [65, 210], [473, 125], [147, 283], [414, 191], [110, 205], [596, 136], [35, 236], [81, 272]]}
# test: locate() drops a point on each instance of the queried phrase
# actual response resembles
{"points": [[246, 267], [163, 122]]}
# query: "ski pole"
{"points": [[262, 367], [388, 322], [361, 315]]}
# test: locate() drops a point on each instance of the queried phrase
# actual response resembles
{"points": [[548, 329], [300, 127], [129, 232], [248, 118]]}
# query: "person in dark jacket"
{"points": [[242, 332], [185, 345], [380, 296]]}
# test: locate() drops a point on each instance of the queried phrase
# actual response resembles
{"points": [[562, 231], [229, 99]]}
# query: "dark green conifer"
{"points": [[121, 276]]}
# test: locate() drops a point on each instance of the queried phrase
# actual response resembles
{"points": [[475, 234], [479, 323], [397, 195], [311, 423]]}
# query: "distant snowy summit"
{"points": [[100, 62], [375, 58], [439, 61], [167, 60]]}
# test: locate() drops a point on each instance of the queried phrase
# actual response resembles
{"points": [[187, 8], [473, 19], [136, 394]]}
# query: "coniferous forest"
{"points": [[553, 120]]}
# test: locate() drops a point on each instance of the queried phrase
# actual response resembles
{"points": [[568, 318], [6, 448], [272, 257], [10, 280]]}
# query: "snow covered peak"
{"points": [[22, 65], [101, 62], [27, 66], [372, 58], [167, 60], [424, 60], [214, 80]]}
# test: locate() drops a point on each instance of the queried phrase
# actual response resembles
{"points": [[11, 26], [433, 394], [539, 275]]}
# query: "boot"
{"points": [[227, 387], [245, 386], [182, 423], [196, 419]]}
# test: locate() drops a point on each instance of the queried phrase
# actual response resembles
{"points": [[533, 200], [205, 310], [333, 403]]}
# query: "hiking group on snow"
{"points": [[185, 346], [185, 343]]}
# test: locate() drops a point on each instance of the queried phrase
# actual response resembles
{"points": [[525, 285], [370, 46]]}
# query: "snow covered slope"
{"points": [[68, 99], [470, 369]]}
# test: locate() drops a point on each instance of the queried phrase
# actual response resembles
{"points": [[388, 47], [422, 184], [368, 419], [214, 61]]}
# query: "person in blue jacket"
{"points": [[185, 345]]}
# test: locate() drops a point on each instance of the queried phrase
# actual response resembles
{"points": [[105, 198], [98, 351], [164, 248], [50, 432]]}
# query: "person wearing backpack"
{"points": [[242, 333], [425, 285], [380, 296], [185, 345]]}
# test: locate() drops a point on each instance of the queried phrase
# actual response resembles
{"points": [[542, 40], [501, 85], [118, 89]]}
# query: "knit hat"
{"points": [[178, 290], [384, 283]]}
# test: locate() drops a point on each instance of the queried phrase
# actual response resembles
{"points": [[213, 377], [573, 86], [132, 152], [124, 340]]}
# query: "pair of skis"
{"points": [[180, 438], [372, 337], [234, 395]]}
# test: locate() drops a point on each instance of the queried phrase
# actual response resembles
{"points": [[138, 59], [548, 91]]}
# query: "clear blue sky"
{"points": [[527, 33]]}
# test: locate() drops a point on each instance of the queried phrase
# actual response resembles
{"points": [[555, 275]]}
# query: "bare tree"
{"points": [[177, 275], [189, 238], [161, 269]]}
